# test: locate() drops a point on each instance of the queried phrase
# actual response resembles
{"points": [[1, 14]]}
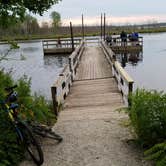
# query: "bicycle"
{"points": [[24, 132]]}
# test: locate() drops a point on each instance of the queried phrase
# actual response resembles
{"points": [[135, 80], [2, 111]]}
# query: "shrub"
{"points": [[148, 116], [157, 153], [10, 152], [34, 107]]}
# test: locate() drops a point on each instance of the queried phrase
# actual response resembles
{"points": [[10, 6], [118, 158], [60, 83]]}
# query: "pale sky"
{"points": [[117, 11]]}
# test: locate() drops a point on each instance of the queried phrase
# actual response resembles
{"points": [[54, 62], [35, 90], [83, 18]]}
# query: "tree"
{"points": [[44, 27], [13, 10], [56, 19], [30, 24]]}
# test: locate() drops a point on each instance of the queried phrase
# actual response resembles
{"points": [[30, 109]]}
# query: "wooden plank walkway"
{"points": [[93, 65], [92, 130]]}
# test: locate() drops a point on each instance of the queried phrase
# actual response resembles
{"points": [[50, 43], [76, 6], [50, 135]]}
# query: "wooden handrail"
{"points": [[117, 41], [122, 77], [64, 43], [61, 87], [123, 73]]}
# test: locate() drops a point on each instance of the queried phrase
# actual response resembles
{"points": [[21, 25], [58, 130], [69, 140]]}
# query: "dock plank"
{"points": [[93, 65]]}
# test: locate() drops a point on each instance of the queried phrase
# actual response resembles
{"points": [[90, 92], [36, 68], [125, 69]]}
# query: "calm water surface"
{"points": [[148, 68], [29, 60]]}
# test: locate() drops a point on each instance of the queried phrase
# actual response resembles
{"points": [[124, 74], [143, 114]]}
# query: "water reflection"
{"points": [[132, 58], [59, 61], [30, 49], [42, 70]]}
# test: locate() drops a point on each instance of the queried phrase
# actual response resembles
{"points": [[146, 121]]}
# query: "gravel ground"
{"points": [[91, 141]]}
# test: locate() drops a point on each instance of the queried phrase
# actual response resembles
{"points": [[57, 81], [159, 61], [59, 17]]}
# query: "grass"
{"points": [[148, 119]]}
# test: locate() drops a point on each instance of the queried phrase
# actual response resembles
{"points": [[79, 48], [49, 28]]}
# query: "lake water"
{"points": [[148, 68], [30, 60]]}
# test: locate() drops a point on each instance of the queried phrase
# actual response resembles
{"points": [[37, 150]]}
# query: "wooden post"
{"points": [[104, 26], [55, 104], [72, 39], [83, 33], [71, 70], [129, 93], [101, 26]]}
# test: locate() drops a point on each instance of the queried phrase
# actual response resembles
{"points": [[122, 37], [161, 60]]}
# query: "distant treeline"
{"points": [[31, 30]]}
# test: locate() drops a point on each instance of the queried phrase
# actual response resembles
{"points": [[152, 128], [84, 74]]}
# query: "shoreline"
{"points": [[38, 37]]}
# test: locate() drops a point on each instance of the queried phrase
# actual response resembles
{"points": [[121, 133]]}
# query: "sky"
{"points": [[117, 11]]}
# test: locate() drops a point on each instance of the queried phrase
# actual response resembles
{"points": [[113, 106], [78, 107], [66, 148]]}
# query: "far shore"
{"points": [[39, 37]]}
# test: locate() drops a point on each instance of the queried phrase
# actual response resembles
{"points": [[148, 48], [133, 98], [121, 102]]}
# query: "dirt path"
{"points": [[92, 141]]}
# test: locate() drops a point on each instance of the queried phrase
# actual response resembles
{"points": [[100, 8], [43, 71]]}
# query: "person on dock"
{"points": [[109, 40], [123, 37], [134, 38], [59, 42], [114, 38]]}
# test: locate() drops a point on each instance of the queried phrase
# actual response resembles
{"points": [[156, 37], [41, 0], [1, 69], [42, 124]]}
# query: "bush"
{"points": [[31, 108], [148, 116], [157, 153], [34, 107], [10, 152]]}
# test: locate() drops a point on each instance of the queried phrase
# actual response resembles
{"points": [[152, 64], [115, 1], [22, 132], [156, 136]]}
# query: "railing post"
{"points": [[72, 39], [70, 68], [55, 103], [130, 90], [101, 26], [104, 26], [83, 34]]}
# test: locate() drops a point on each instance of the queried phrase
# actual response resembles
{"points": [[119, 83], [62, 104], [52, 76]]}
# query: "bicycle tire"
{"points": [[53, 135], [46, 132], [31, 144]]}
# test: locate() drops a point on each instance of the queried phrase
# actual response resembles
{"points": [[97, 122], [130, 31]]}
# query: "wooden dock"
{"points": [[89, 89], [94, 84], [94, 72], [59, 46], [129, 46]]}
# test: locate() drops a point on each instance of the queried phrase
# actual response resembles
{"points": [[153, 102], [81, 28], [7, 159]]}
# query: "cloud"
{"points": [[110, 20], [117, 20]]}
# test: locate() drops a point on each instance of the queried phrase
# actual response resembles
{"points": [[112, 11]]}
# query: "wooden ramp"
{"points": [[94, 84], [93, 65]]}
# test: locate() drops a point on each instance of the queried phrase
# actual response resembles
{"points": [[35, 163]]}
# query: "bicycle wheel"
{"points": [[31, 144], [45, 131], [53, 135]]}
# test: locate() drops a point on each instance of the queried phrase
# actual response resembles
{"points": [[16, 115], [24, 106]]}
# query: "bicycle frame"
{"points": [[10, 112]]}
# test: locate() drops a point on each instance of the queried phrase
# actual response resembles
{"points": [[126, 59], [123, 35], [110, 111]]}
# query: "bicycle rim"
{"points": [[32, 146]]}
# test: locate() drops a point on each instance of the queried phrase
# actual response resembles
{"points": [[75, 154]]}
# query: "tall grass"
{"points": [[148, 118]]}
